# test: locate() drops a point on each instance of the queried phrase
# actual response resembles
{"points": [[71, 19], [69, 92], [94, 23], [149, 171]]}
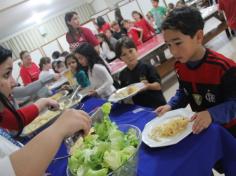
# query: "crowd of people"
{"points": [[211, 96]]}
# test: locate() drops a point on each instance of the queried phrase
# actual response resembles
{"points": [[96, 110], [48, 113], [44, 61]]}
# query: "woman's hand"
{"points": [[92, 93], [72, 121], [47, 103]]}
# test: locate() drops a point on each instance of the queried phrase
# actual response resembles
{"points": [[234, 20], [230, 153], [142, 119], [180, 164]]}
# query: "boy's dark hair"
{"points": [[64, 53], [124, 42], [44, 61], [22, 53], [187, 20], [155, 0], [56, 54]]}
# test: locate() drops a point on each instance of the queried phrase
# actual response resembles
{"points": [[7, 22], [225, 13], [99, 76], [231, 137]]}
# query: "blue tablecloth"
{"points": [[195, 155]]}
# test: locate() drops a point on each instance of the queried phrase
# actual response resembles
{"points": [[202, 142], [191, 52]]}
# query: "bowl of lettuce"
{"points": [[109, 149]]}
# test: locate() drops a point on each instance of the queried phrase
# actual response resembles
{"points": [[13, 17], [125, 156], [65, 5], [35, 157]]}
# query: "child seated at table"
{"points": [[98, 73], [151, 95], [207, 79], [72, 63]]}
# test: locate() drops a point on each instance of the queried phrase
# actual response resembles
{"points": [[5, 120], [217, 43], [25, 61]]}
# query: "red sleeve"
{"points": [[221, 5], [25, 76], [149, 26], [27, 113], [90, 37]]}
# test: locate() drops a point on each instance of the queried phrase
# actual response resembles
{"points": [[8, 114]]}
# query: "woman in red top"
{"points": [[36, 155], [9, 117], [29, 71], [102, 25], [140, 22], [133, 32], [76, 34]]}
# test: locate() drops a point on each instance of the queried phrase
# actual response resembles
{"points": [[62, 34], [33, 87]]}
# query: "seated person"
{"points": [[98, 73], [207, 79], [136, 71], [73, 65]]}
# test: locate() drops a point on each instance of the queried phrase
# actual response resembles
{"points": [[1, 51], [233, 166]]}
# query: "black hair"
{"points": [[56, 54], [136, 12], [187, 20], [44, 61], [104, 37], [72, 31], [155, 0], [22, 53], [88, 51], [100, 21], [118, 16], [4, 55], [55, 64], [64, 53], [124, 42], [72, 56]]}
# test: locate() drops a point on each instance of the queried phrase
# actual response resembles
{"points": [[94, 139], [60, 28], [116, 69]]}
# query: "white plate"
{"points": [[58, 83], [113, 97], [159, 120]]}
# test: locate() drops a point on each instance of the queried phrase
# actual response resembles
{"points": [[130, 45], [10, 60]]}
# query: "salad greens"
{"points": [[103, 151]]}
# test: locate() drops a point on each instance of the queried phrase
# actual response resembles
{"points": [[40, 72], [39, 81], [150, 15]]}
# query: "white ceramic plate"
{"points": [[159, 120], [114, 98]]}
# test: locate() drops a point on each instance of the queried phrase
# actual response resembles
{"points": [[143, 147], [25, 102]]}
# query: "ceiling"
{"points": [[17, 15]]}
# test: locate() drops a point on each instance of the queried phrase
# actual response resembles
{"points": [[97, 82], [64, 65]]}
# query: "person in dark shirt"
{"points": [[151, 95], [207, 79], [118, 32]]}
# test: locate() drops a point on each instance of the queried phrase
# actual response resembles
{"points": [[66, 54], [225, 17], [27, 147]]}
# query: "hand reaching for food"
{"points": [[162, 109]]}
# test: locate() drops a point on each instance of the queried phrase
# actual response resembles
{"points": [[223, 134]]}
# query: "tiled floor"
{"points": [[220, 44]]}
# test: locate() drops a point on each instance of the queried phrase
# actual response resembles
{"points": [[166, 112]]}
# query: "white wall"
{"points": [[99, 5]]}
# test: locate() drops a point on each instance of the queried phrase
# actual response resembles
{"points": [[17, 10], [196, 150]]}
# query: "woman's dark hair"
{"points": [[56, 54], [44, 61], [100, 21], [64, 53], [91, 55], [118, 16], [124, 42], [22, 53], [4, 55], [105, 39], [187, 20], [71, 30], [136, 12], [72, 56]]}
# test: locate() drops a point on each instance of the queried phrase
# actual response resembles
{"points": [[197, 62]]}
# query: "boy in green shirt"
{"points": [[158, 13]]}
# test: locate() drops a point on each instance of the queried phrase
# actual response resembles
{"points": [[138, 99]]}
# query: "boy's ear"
{"points": [[199, 36]]}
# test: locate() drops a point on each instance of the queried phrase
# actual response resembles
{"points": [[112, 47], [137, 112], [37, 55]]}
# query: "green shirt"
{"points": [[159, 14], [82, 78]]}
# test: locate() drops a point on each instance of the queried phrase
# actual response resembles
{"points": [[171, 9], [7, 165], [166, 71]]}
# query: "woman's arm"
{"points": [[34, 157], [103, 73], [32, 88], [140, 31]]}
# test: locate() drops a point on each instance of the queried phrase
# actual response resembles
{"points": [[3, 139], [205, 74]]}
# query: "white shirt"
{"points": [[101, 80], [106, 53], [6, 148]]}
